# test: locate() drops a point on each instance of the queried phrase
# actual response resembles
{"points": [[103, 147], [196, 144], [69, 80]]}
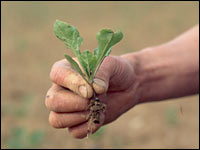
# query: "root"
{"points": [[96, 108]]}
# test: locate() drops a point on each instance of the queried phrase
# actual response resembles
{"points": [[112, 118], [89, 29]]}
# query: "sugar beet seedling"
{"points": [[89, 62]]}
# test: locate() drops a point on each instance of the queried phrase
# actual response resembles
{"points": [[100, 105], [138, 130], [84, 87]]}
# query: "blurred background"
{"points": [[29, 49]]}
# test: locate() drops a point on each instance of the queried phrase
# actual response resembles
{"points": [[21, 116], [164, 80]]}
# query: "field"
{"points": [[29, 48]]}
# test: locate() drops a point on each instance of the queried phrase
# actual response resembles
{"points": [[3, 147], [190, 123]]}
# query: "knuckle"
{"points": [[48, 98], [107, 68], [55, 120], [76, 134], [53, 71], [47, 101], [58, 73], [54, 103], [109, 61], [51, 102], [55, 74]]}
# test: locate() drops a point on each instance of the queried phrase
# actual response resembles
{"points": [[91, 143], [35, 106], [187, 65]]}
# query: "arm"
{"points": [[170, 70]]}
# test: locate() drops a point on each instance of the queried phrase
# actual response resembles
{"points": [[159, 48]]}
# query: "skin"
{"points": [[156, 73]]}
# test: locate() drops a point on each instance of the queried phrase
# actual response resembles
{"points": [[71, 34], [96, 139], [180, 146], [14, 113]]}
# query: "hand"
{"points": [[68, 98]]}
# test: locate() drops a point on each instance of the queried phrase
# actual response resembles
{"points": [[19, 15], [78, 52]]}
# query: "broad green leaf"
{"points": [[74, 65], [69, 35], [117, 36], [106, 39]]}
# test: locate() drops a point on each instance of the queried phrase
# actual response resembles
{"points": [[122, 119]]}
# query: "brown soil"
{"points": [[96, 109]]}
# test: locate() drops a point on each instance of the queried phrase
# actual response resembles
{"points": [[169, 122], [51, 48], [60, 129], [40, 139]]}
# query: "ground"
{"points": [[29, 49]]}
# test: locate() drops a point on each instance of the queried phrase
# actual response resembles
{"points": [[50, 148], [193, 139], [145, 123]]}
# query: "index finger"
{"points": [[59, 99], [64, 75]]}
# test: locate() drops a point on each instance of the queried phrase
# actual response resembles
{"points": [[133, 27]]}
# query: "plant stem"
{"points": [[94, 94]]}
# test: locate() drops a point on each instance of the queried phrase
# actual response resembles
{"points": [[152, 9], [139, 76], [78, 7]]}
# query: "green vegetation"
{"points": [[89, 62]]}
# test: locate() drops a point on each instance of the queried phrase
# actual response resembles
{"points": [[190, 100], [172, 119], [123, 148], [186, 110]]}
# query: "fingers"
{"points": [[62, 74], [77, 122], [64, 120], [59, 99]]}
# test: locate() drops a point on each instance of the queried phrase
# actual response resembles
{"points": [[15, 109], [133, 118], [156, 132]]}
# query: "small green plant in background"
{"points": [[20, 138], [98, 135], [171, 116], [89, 62]]}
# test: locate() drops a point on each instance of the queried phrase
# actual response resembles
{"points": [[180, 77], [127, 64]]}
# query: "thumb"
{"points": [[103, 75], [115, 73]]}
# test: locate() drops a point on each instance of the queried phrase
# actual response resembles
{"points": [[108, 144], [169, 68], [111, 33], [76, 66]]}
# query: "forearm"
{"points": [[170, 70]]}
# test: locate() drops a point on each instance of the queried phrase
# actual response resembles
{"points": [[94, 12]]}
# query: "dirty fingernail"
{"points": [[83, 91], [99, 86], [99, 82]]}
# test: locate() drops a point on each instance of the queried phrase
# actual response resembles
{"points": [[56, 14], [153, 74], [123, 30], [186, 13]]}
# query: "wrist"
{"points": [[135, 90], [147, 72], [169, 70], [149, 68]]}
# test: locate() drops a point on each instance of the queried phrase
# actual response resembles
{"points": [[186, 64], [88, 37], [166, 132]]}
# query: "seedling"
{"points": [[89, 62]]}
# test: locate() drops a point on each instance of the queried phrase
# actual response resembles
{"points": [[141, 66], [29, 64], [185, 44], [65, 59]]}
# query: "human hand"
{"points": [[68, 98]]}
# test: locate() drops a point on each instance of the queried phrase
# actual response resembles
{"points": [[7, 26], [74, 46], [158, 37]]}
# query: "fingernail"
{"points": [[99, 86], [83, 90], [100, 82]]}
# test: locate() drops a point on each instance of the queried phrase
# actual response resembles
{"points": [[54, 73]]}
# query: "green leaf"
{"points": [[89, 61], [108, 52], [74, 65], [69, 35], [117, 36], [96, 52], [106, 39]]}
